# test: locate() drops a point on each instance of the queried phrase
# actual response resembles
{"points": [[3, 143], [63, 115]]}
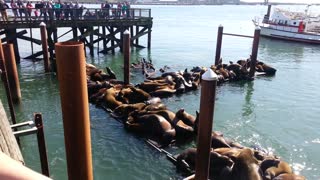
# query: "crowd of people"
{"points": [[49, 10]]}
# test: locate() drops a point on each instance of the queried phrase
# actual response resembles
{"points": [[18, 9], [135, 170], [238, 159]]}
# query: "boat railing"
{"points": [[24, 15]]}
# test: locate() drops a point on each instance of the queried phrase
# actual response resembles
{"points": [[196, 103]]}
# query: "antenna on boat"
{"points": [[307, 9]]}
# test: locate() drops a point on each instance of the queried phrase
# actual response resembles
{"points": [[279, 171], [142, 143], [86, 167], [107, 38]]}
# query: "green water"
{"points": [[279, 113]]}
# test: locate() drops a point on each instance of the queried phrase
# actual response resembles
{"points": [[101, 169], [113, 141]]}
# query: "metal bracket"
{"points": [[33, 129]]}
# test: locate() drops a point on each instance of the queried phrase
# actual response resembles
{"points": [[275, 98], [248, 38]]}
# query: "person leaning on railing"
{"points": [[3, 10]]}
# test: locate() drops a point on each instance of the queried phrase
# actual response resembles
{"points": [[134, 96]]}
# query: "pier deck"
{"points": [[96, 24]]}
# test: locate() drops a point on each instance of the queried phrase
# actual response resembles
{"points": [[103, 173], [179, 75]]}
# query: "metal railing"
{"points": [[24, 15]]}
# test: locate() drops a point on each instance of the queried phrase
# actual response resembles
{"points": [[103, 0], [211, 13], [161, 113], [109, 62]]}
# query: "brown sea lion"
{"points": [[123, 110], [287, 176], [245, 166], [153, 125], [186, 117], [187, 160], [273, 167], [110, 98], [164, 92]]}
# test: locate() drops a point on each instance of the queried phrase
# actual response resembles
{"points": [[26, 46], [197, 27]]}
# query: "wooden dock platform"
{"points": [[91, 27]]}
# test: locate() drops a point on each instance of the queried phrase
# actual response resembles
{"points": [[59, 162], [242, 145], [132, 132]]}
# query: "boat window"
{"points": [[286, 22], [294, 23]]}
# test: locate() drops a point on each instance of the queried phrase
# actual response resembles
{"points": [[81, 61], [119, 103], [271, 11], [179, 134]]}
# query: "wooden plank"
{"points": [[8, 143]]}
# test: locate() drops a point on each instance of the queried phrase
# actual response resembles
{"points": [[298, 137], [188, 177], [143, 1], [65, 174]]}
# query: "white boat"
{"points": [[288, 25]]}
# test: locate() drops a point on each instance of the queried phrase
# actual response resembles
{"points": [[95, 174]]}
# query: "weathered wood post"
{"points": [[4, 78], [8, 143], [208, 93], [42, 144], [112, 41], [44, 39], [219, 43], [12, 72], [149, 37], [104, 37], [11, 35], [91, 42], [126, 55], [137, 32], [71, 66], [75, 33], [254, 52]]}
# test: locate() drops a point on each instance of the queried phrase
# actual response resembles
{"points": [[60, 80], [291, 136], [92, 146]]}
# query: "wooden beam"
{"points": [[137, 45], [18, 34], [139, 35], [33, 40]]}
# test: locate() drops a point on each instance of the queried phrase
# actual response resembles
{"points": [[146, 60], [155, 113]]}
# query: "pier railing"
{"points": [[33, 15]]}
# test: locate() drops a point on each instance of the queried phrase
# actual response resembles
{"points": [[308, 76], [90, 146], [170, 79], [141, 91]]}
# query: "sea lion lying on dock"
{"points": [[187, 159], [152, 125], [287, 176], [274, 167]]}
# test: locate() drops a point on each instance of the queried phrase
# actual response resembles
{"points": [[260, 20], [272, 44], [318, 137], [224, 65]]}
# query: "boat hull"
{"points": [[291, 36]]}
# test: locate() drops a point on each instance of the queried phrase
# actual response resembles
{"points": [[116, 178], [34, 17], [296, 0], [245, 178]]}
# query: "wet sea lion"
{"points": [[245, 166], [273, 167], [153, 125], [287, 176]]}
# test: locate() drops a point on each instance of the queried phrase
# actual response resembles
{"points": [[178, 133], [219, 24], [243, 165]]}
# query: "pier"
{"points": [[104, 28]]}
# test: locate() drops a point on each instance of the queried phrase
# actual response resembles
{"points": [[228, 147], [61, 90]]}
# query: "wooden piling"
{"points": [[8, 143], [126, 55], [207, 100], [31, 43], [41, 144], [149, 38], [254, 52], [4, 78], [75, 33], [11, 35], [12, 72], [55, 34], [71, 66], [112, 41], [121, 40], [137, 31], [44, 39], [131, 32], [219, 43], [91, 42], [104, 39]]}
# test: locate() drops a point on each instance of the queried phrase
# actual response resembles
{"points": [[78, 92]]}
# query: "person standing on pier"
{"points": [[14, 8], [57, 10], [119, 9], [3, 10], [29, 9], [128, 9], [21, 8]]}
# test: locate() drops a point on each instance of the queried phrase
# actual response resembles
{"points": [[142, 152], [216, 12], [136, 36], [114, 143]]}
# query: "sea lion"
{"points": [[287, 176], [187, 118], [123, 110], [187, 159], [153, 125], [245, 166], [273, 167], [110, 98]]}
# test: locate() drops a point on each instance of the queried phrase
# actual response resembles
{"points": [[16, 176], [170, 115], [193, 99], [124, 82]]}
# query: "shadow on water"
{"points": [[248, 106]]}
